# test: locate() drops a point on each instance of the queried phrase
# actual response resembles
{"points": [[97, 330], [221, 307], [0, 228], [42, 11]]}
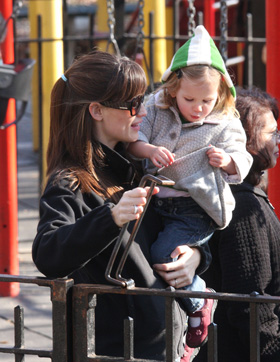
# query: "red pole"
{"points": [[273, 85], [209, 16], [8, 181]]}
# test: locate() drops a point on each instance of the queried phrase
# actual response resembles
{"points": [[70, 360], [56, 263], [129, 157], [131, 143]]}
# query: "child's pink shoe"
{"points": [[197, 336]]}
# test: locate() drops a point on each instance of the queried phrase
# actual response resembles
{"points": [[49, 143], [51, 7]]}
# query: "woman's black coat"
{"points": [[75, 238]]}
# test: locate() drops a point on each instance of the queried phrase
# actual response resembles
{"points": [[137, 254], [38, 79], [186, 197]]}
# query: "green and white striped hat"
{"points": [[199, 49]]}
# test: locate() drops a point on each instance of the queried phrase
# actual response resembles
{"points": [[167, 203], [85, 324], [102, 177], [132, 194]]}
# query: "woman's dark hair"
{"points": [[252, 104], [73, 150]]}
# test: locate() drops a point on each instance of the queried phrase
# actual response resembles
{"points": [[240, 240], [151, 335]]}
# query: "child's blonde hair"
{"points": [[225, 102]]}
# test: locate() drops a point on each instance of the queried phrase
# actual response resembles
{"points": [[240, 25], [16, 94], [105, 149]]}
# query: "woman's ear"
{"points": [[95, 109]]}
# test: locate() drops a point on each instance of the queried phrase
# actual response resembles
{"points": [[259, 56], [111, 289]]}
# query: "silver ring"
{"points": [[175, 283], [135, 209]]}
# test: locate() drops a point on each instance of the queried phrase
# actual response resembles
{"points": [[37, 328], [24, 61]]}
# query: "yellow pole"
{"points": [[32, 11], [52, 60], [102, 22], [159, 49], [169, 31]]}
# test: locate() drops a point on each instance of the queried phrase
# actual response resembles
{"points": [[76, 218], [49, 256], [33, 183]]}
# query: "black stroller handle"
{"points": [[119, 280]]}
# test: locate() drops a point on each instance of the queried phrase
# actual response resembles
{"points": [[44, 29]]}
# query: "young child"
{"points": [[192, 135]]}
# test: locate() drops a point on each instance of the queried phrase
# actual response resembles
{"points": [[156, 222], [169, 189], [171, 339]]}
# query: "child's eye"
{"points": [[188, 99], [207, 100]]}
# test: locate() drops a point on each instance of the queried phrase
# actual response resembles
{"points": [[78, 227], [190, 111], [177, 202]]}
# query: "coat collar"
{"points": [[116, 162], [245, 186]]}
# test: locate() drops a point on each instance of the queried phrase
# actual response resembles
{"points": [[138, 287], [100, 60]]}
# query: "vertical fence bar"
{"points": [[91, 324], [169, 326], [19, 332], [254, 332], [62, 321], [80, 320], [212, 344], [128, 338]]}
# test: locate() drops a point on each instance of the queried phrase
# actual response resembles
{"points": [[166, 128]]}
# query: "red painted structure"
{"points": [[8, 179], [209, 16], [273, 85]]}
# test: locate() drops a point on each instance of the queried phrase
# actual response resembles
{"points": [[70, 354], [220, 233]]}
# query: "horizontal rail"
{"points": [[36, 352], [250, 298]]}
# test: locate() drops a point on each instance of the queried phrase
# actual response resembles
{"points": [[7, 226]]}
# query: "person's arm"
{"points": [[71, 231], [160, 156], [232, 140], [190, 261]]}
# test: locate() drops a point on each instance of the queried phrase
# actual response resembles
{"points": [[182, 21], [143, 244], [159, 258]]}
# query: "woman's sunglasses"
{"points": [[133, 106]]}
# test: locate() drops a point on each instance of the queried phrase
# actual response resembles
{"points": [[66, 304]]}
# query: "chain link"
{"points": [[223, 29], [191, 14], [111, 25], [141, 23]]}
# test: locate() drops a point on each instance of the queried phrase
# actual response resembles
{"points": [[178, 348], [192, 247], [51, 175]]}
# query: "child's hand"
{"points": [[218, 157], [161, 156]]}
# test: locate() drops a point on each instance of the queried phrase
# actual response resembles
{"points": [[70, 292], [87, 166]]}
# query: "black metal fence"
{"points": [[60, 292], [73, 310], [73, 320], [121, 36]]}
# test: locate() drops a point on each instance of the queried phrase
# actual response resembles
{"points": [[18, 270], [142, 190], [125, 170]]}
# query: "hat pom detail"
{"points": [[200, 49]]}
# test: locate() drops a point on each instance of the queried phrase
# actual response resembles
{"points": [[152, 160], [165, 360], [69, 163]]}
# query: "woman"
{"points": [[246, 253], [96, 108]]}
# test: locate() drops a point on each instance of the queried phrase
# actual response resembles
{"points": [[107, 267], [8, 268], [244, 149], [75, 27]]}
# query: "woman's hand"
{"points": [[131, 205], [180, 272]]}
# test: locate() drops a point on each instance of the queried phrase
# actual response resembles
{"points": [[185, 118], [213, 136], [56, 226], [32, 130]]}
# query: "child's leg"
{"points": [[191, 305], [185, 222]]}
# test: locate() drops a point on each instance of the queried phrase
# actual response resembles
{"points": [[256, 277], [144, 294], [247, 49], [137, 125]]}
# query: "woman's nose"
{"points": [[143, 111]]}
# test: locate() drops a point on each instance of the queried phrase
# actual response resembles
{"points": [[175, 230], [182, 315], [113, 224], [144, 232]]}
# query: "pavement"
{"points": [[35, 300]]}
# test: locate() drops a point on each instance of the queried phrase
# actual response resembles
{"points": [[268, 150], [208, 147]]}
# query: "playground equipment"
{"points": [[15, 78], [14, 85], [15, 82]]}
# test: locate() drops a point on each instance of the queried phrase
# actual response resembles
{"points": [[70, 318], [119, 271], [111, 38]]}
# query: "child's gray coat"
{"points": [[191, 171]]}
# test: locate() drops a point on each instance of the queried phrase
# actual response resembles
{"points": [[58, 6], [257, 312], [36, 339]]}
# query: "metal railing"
{"points": [[60, 299], [73, 316]]}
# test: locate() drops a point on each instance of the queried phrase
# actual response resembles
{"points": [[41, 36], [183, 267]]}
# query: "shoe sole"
{"points": [[195, 353]]}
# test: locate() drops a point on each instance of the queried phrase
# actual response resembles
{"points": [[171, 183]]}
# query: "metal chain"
{"points": [[141, 23], [140, 41], [111, 25], [223, 28], [4, 23], [191, 14]]}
